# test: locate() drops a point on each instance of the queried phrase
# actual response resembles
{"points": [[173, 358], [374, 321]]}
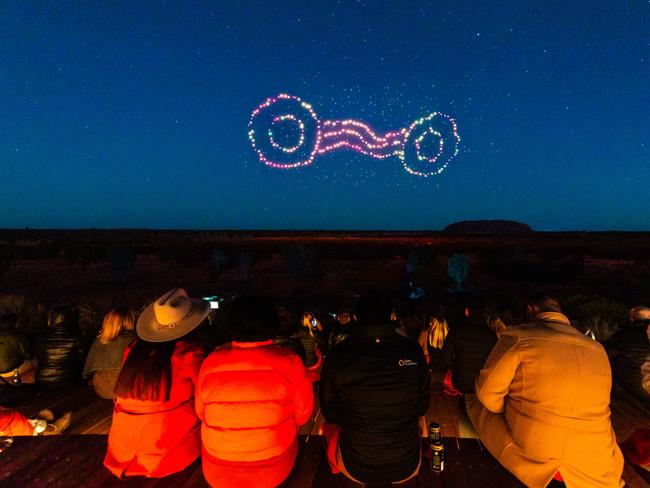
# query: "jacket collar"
{"points": [[373, 331], [556, 321], [551, 317]]}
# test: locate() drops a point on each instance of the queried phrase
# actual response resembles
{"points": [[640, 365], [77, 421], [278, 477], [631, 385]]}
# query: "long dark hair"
{"points": [[147, 371]]}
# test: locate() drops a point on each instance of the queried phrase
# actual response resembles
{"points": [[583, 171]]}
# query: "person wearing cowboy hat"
{"points": [[629, 352], [155, 431]]}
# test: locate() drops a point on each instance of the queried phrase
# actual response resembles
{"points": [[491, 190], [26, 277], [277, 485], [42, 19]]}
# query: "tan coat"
{"points": [[544, 397]]}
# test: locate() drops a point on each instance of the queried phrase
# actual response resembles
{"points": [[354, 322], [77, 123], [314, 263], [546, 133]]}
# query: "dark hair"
{"points": [[147, 371], [373, 307], [544, 302], [252, 318]]}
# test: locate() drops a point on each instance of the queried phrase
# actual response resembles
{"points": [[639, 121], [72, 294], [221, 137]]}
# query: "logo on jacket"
{"points": [[407, 362]]}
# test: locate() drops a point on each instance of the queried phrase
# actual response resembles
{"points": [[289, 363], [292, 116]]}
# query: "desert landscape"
{"points": [[595, 273]]}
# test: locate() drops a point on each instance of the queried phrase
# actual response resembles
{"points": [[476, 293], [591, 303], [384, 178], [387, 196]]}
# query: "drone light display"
{"points": [[286, 133]]}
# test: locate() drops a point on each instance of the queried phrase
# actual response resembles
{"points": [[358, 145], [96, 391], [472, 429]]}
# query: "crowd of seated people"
{"points": [[537, 394]]}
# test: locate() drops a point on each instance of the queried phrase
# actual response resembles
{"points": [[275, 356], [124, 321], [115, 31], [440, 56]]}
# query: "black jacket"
{"points": [[629, 349], [14, 349], [60, 354], [375, 385], [465, 350]]}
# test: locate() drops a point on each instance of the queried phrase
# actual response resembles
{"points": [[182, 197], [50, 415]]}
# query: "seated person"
{"points": [[309, 334], [252, 395], [288, 333], [104, 360], [13, 423], [60, 350], [542, 403], [340, 330], [16, 362], [637, 448], [374, 387], [465, 350], [155, 431], [629, 351], [437, 333]]}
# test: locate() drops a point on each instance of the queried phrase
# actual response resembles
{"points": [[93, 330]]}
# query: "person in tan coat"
{"points": [[542, 403]]}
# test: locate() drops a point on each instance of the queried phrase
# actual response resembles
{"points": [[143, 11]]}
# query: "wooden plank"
{"points": [[86, 418], [482, 470], [42, 459], [76, 460], [25, 453], [628, 413], [309, 457], [36, 399], [77, 465], [101, 427], [635, 477], [444, 410], [178, 479], [196, 480], [454, 472], [426, 477], [62, 401], [324, 477]]}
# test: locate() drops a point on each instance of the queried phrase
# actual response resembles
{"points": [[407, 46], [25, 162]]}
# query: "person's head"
{"points": [[373, 308], [117, 320], [310, 322], [541, 303], [147, 371], [640, 314], [496, 325], [252, 318], [64, 316], [343, 317]]}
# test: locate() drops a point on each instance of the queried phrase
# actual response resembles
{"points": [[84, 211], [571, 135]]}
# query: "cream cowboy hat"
{"points": [[171, 316]]}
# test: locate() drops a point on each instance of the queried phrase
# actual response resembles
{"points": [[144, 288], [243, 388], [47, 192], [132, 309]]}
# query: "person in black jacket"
{"points": [[61, 350], [16, 364], [465, 350], [374, 387], [629, 352]]}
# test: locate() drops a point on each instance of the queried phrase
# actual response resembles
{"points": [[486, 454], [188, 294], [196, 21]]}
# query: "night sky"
{"points": [[117, 114]]}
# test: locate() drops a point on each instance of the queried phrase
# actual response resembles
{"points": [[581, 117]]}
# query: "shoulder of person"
{"points": [[188, 347], [406, 342]]}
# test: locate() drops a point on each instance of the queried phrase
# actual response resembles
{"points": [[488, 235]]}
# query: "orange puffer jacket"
{"points": [[251, 398], [14, 423], [157, 438]]}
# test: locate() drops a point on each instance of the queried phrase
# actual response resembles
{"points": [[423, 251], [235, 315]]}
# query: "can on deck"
{"points": [[434, 432], [437, 457]]}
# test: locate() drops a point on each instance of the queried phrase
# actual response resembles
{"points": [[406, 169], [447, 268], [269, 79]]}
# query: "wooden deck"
{"points": [[76, 460], [468, 463]]}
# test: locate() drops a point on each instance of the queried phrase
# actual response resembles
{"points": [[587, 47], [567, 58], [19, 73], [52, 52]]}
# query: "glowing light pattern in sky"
{"points": [[301, 137], [286, 133]]}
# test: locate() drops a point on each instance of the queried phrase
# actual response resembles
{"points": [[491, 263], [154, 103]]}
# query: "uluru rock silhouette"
{"points": [[487, 227]]}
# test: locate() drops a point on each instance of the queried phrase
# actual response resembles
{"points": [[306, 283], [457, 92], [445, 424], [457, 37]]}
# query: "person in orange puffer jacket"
{"points": [[251, 396], [14, 423], [155, 431]]}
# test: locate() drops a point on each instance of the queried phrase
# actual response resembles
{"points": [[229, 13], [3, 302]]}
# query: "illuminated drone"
{"points": [[286, 133]]}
